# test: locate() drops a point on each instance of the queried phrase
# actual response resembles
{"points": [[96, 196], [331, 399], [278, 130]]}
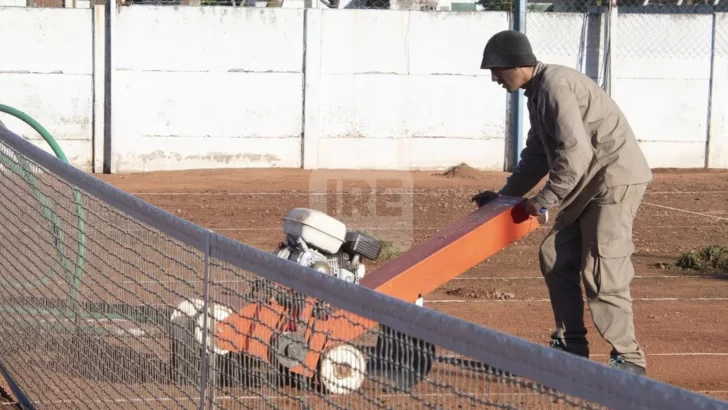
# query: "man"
{"points": [[597, 176]]}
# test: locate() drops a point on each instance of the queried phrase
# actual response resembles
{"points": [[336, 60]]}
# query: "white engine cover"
{"points": [[316, 228]]}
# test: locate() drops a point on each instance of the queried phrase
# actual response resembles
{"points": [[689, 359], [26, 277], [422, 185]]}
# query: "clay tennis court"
{"points": [[681, 316]]}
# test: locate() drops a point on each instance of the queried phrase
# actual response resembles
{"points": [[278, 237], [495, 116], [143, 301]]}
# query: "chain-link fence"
{"points": [[570, 33], [675, 32], [414, 5], [109, 302], [664, 57]]}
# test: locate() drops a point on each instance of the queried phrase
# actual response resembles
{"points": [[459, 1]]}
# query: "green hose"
{"points": [[22, 169], [36, 126]]}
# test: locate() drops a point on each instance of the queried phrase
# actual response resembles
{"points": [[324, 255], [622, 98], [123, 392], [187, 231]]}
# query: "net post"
{"points": [[205, 311], [610, 27], [516, 100], [713, 144]]}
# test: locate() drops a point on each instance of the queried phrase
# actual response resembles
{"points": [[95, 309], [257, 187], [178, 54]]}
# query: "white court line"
{"points": [[666, 354], [481, 278], [636, 277], [465, 395], [687, 192], [392, 191], [473, 395], [548, 300], [686, 211], [373, 228], [383, 191], [547, 227], [423, 193], [677, 354]]}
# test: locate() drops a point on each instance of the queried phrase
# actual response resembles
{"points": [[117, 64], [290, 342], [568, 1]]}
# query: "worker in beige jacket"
{"points": [[597, 176]]}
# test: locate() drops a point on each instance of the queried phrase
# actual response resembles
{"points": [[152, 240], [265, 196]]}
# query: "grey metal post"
{"points": [[206, 304], [517, 103]]}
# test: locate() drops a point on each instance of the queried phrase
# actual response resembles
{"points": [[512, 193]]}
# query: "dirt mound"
{"points": [[479, 293], [463, 171]]}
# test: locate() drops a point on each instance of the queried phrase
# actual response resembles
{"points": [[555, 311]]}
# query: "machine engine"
{"points": [[321, 242]]}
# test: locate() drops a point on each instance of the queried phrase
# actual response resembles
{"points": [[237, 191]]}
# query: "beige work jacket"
{"points": [[579, 138]]}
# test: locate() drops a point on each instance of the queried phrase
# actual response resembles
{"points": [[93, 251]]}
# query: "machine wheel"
{"points": [[342, 369], [187, 322], [185, 350], [403, 361], [289, 350], [219, 313]]}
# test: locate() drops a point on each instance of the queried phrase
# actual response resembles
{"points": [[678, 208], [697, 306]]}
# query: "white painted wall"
{"points": [[663, 84], [13, 3], [718, 122], [211, 87], [401, 90], [207, 87], [46, 71]]}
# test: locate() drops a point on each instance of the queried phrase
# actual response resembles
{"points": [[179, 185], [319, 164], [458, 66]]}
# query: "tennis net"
{"points": [[110, 302]]}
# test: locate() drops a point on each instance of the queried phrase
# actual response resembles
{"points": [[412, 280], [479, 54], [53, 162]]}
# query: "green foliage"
{"points": [[709, 259], [389, 249]]}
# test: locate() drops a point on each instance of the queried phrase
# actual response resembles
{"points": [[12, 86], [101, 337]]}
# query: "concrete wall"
{"points": [[46, 71], [718, 120], [207, 87], [404, 89], [663, 84], [211, 87]]}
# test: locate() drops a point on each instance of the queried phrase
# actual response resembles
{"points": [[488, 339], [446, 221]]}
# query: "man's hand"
{"points": [[533, 208], [484, 197]]}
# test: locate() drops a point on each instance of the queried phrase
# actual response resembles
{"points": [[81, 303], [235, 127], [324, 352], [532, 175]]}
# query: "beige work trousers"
{"points": [[596, 249]]}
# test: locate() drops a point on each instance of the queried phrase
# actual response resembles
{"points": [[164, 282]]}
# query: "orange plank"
{"points": [[454, 250]]}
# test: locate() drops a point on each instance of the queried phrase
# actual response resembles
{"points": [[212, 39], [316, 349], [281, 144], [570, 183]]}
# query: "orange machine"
{"points": [[310, 339]]}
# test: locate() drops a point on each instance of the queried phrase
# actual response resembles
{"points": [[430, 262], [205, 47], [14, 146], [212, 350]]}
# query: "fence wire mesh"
{"points": [[413, 5], [109, 302], [84, 293], [721, 41], [103, 311], [570, 33], [674, 33]]}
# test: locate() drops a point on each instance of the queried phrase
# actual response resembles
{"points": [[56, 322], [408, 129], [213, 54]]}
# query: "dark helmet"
{"points": [[508, 49]]}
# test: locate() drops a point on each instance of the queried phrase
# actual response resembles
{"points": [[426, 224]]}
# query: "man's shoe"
{"points": [[556, 344], [620, 363], [580, 349]]}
